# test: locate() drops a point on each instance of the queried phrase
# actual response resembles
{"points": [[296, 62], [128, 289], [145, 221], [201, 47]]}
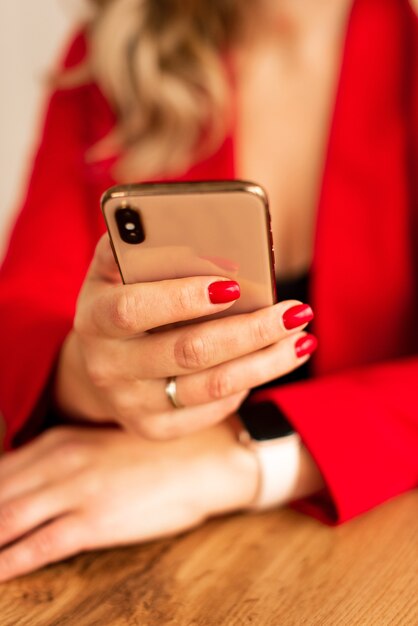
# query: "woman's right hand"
{"points": [[111, 368]]}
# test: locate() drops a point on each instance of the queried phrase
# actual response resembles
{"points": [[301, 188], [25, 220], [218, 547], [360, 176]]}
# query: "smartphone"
{"points": [[160, 231]]}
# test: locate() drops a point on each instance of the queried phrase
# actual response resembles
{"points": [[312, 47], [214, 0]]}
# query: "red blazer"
{"points": [[358, 415]]}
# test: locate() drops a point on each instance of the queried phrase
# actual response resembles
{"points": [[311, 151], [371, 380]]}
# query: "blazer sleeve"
{"points": [[47, 257], [361, 427], [361, 424]]}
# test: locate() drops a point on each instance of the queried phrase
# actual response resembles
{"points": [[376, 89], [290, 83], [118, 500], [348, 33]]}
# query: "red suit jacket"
{"points": [[358, 415]]}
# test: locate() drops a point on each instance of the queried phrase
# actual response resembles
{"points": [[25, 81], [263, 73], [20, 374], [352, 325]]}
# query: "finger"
{"points": [[12, 461], [202, 346], [25, 457], [243, 373], [221, 381], [43, 470], [128, 310], [103, 267], [25, 481], [22, 514], [57, 540], [51, 451]]}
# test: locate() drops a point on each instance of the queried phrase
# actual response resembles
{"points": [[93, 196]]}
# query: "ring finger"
{"points": [[20, 515], [202, 396]]}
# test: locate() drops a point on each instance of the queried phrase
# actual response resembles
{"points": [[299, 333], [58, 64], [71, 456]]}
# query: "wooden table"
{"points": [[271, 569]]}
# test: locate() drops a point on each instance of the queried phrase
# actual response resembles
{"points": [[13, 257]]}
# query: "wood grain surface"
{"points": [[271, 569]]}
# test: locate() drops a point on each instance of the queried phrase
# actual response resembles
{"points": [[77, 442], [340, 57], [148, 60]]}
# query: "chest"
{"points": [[284, 102]]}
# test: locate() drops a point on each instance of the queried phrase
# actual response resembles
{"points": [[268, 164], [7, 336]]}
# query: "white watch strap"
{"points": [[279, 463], [279, 467]]}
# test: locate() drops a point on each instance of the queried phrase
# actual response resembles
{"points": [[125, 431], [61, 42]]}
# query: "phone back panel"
{"points": [[190, 229]]}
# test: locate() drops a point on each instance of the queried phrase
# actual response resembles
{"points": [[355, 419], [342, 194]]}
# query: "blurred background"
{"points": [[33, 35]]}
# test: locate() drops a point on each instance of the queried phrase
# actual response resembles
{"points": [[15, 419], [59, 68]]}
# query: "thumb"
{"points": [[103, 266]]}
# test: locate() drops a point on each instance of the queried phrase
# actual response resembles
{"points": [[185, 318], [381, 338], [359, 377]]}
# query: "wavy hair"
{"points": [[160, 64]]}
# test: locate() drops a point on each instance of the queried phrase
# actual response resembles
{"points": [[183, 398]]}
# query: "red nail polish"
{"points": [[297, 316], [224, 291], [305, 345]]}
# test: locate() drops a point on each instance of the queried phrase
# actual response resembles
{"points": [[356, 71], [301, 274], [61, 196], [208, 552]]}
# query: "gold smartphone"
{"points": [[160, 231]]}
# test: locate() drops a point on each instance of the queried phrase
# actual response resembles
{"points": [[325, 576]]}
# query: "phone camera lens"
{"points": [[129, 225]]}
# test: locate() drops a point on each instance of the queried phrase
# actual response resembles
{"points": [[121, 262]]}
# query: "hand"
{"points": [[77, 489], [113, 368]]}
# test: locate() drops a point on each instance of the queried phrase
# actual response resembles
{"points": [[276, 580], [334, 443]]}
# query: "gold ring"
{"points": [[171, 392]]}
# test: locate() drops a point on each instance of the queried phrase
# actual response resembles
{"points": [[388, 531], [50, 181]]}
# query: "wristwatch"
{"points": [[264, 429]]}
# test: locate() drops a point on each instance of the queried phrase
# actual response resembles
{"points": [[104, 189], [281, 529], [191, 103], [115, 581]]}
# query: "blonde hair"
{"points": [[159, 63]]}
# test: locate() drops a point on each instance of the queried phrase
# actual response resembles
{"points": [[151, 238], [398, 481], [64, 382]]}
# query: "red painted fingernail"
{"points": [[297, 316], [224, 291], [305, 345]]}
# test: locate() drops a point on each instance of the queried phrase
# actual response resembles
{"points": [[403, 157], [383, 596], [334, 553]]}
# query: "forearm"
{"points": [[228, 472]]}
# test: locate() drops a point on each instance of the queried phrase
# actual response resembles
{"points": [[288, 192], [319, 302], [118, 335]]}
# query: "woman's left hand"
{"points": [[77, 489]]}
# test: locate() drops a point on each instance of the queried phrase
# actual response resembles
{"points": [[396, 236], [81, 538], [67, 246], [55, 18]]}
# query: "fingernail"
{"points": [[297, 316], [224, 291], [305, 345]]}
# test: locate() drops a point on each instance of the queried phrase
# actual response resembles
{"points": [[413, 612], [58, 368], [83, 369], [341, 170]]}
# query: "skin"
{"points": [[52, 503], [58, 482], [78, 489], [288, 65], [111, 368]]}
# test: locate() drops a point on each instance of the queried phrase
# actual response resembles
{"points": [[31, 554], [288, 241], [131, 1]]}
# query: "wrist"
{"points": [[286, 470], [227, 472]]}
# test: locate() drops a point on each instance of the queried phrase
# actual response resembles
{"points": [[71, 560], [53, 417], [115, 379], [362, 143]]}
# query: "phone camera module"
{"points": [[129, 225]]}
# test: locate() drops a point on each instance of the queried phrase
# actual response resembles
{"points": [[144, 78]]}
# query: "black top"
{"points": [[266, 421]]}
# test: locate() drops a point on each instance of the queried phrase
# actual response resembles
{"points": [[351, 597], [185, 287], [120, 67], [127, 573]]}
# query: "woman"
{"points": [[164, 76]]}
